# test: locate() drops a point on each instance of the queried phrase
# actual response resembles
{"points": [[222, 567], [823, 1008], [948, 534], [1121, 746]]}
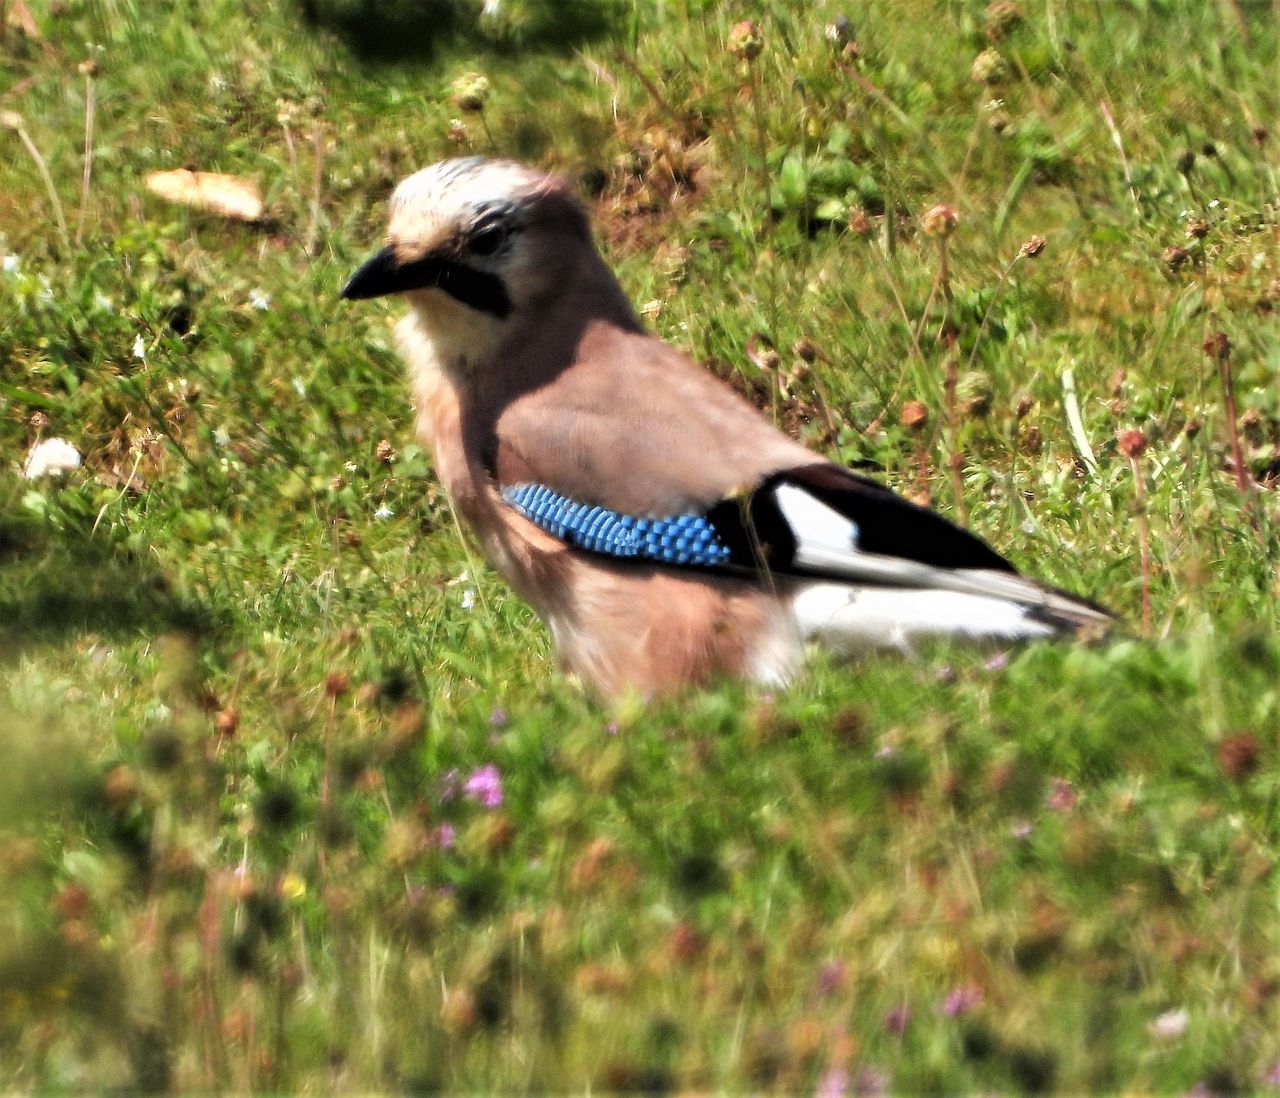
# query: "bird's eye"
{"points": [[488, 240]]}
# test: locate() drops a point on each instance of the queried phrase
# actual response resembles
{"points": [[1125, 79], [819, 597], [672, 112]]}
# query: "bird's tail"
{"points": [[975, 605]]}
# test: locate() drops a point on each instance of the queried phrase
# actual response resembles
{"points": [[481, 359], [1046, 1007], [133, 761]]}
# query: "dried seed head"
{"points": [[940, 220], [999, 120], [1238, 755], [914, 415], [39, 421], [859, 221], [227, 721], [1259, 134], [1024, 405], [1186, 161], [471, 92], [386, 452], [88, 68], [1002, 17], [973, 391], [1193, 426], [1032, 248], [1132, 444], [745, 40], [1197, 227], [336, 684], [851, 52], [120, 786], [804, 349], [1174, 256], [989, 67], [1218, 346]]}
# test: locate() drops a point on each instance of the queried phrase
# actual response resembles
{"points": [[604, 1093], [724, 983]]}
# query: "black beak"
{"points": [[384, 274]]}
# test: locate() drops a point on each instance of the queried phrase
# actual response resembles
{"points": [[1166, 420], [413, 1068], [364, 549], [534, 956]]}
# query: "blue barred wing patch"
{"points": [[676, 539]]}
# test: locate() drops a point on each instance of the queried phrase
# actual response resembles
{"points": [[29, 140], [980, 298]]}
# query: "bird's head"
{"points": [[475, 237]]}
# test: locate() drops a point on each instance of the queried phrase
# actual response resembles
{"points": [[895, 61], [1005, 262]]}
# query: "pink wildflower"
{"points": [[484, 786]]}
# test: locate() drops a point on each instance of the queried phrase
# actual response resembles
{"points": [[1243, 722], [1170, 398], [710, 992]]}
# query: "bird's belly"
{"points": [[625, 626]]}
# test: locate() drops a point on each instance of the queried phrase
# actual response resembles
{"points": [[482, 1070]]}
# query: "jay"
{"points": [[663, 529]]}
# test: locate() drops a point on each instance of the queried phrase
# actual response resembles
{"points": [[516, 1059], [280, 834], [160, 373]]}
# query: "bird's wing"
{"points": [[660, 462], [635, 426]]}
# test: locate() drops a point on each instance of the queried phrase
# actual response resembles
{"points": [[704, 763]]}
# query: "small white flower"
{"points": [[217, 82], [468, 597], [101, 301], [259, 299], [1169, 1026], [351, 467], [383, 512], [300, 387], [10, 264], [50, 457], [221, 437], [1214, 204], [139, 347]]}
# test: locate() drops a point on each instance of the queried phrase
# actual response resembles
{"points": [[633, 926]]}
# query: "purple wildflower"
{"points": [[611, 728], [1022, 829], [1062, 798], [962, 1000], [997, 662], [830, 977], [484, 786], [897, 1019], [498, 717], [444, 836]]}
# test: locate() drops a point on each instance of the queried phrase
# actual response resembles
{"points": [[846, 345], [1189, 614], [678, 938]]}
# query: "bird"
{"points": [[664, 530]]}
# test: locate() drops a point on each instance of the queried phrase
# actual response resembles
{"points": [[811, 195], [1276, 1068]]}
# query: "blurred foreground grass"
{"points": [[290, 795]]}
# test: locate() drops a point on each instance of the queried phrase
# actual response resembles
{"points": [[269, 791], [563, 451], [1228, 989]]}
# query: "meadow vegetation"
{"points": [[291, 794]]}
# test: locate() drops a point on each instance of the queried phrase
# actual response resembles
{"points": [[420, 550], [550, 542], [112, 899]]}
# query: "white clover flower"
{"points": [[10, 264], [221, 436], [101, 301], [1170, 1025], [468, 597], [139, 348], [50, 457], [259, 299], [300, 387], [384, 512]]}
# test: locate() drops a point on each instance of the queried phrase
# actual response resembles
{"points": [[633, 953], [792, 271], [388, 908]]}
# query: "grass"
{"points": [[248, 666]]}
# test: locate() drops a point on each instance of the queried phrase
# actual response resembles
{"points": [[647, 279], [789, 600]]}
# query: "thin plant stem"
{"points": [[1144, 544], [1222, 355], [955, 459], [488, 133], [762, 150], [90, 110], [317, 184], [15, 122]]}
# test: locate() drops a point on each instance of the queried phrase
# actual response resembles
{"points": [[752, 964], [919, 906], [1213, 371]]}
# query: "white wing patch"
{"points": [[818, 529]]}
